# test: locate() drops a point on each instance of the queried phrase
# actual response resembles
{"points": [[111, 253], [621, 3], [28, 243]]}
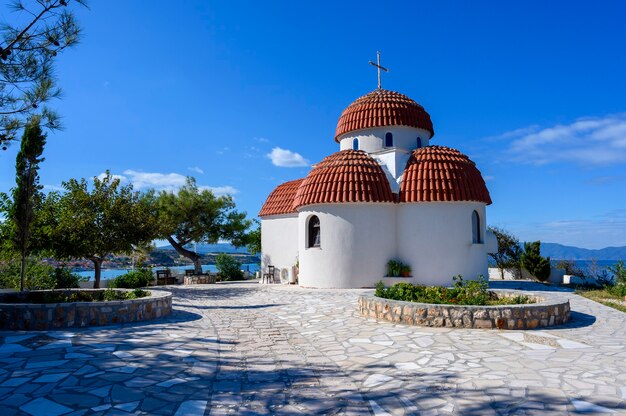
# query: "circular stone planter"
{"points": [[44, 316], [545, 312]]}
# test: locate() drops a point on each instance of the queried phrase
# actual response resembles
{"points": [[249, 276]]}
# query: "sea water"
{"points": [[113, 273]]}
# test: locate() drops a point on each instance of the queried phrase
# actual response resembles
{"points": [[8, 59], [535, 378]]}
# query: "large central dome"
{"points": [[383, 108]]}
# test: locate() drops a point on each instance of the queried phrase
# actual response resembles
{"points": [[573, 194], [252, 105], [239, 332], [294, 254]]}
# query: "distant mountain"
{"points": [[561, 252], [211, 248]]}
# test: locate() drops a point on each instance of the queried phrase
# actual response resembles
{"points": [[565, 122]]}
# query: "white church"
{"points": [[386, 194]]}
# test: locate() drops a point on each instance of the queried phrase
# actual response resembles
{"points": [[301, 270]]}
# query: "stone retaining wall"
{"points": [[30, 316], [529, 316], [201, 279]]}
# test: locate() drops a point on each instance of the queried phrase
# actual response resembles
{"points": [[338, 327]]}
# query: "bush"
{"points": [[464, 292], [65, 279], [228, 267], [74, 296], [112, 294], [619, 272], [133, 279], [532, 261], [38, 276]]}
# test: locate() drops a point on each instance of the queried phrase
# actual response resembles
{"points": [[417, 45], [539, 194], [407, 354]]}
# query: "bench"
{"points": [[164, 277]]}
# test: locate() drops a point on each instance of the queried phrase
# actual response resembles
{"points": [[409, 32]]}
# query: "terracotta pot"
{"points": [[406, 274]]}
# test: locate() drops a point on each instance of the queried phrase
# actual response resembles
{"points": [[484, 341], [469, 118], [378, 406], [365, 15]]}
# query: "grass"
{"points": [[604, 297]]}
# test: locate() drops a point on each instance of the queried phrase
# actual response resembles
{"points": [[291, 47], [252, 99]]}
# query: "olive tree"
{"points": [[94, 223], [194, 215], [509, 251]]}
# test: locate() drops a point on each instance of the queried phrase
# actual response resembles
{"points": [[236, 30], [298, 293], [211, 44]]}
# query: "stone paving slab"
{"points": [[269, 349]]}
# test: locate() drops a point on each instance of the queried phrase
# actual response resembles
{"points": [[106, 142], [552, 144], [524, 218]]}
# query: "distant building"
{"points": [[386, 194]]}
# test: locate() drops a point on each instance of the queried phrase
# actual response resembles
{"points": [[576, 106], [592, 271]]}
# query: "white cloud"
{"points": [[286, 158], [587, 141], [197, 170], [141, 180], [262, 140], [166, 181], [220, 190]]}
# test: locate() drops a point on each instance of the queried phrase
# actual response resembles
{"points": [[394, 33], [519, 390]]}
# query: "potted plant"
{"points": [[405, 270]]}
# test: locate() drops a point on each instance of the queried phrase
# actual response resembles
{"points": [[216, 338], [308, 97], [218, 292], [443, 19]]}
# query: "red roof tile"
{"points": [[383, 108], [439, 173], [280, 201], [345, 176]]}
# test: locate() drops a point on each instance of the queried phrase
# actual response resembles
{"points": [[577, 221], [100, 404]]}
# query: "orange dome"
{"points": [[439, 173], [280, 201], [383, 108], [345, 176]]}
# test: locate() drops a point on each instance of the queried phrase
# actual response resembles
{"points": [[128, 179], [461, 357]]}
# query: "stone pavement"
{"points": [[255, 349]]}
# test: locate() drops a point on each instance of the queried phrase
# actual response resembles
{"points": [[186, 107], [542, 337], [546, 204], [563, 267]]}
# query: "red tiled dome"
{"points": [[345, 176], [383, 108], [280, 201], [439, 173]]}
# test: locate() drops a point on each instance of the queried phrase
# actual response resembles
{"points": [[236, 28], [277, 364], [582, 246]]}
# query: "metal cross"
{"points": [[377, 65]]}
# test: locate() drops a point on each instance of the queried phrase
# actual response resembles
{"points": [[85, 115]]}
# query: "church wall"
{"points": [[357, 240], [435, 239], [279, 241], [373, 139]]}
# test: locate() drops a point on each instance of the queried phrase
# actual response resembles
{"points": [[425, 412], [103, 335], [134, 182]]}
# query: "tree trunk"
{"points": [[193, 256], [22, 271], [97, 265], [197, 265]]}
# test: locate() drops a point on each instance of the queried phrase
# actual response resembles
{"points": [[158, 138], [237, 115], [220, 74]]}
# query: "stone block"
{"points": [[501, 323], [483, 323]]}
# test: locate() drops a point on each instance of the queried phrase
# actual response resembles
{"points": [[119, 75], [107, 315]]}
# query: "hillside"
{"points": [[561, 252], [211, 248]]}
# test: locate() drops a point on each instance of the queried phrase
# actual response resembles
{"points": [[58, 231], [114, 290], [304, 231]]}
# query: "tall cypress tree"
{"points": [[27, 193]]}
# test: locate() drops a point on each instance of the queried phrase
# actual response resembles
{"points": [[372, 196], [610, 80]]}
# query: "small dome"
{"points": [[382, 108], [280, 201], [439, 173], [345, 176]]}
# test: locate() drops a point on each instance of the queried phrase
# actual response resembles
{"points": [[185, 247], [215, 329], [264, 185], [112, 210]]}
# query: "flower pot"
{"points": [[406, 274]]}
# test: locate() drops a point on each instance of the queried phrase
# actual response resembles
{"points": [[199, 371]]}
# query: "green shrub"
{"points": [[74, 296], [228, 267], [619, 272], [65, 279], [133, 279], [617, 290], [38, 276], [112, 294], [464, 292]]}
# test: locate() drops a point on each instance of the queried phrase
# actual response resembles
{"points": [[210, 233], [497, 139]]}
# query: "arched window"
{"points": [[419, 143], [388, 140], [476, 237], [314, 232], [355, 144]]}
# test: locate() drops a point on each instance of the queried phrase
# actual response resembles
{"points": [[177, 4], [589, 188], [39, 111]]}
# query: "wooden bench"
{"points": [[164, 277]]}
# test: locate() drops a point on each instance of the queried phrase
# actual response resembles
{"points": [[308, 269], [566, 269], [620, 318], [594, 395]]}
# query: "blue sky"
{"points": [[244, 95]]}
